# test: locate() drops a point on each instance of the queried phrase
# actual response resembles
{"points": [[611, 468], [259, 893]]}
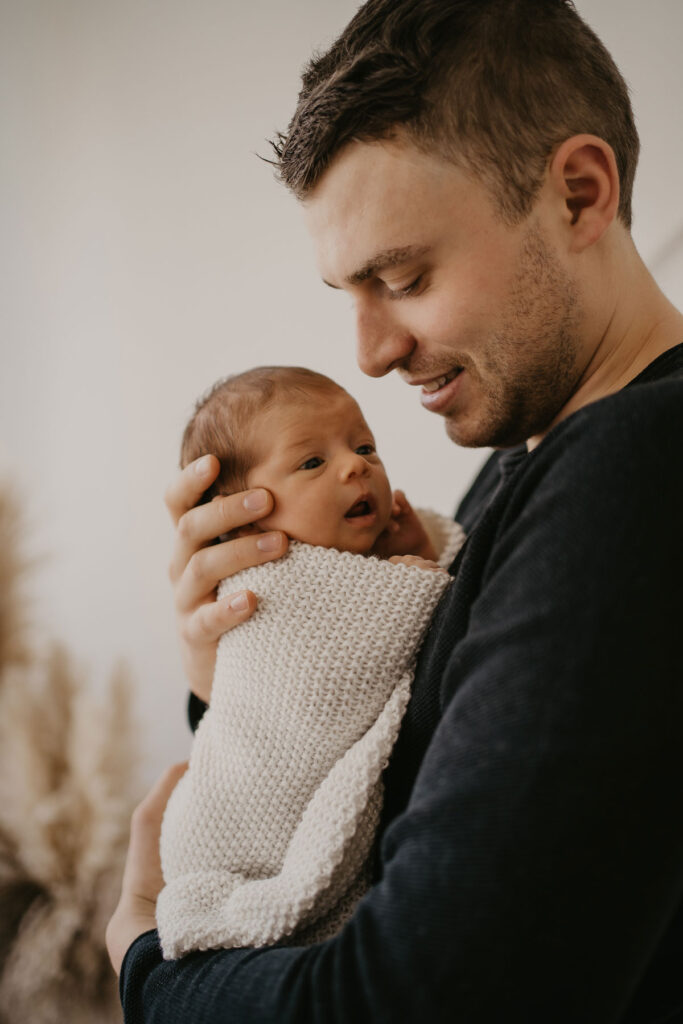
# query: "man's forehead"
{"points": [[374, 207]]}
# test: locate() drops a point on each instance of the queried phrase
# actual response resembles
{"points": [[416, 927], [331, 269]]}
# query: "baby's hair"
{"points": [[223, 415]]}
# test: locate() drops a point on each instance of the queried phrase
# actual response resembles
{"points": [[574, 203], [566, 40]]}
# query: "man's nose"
{"points": [[382, 343]]}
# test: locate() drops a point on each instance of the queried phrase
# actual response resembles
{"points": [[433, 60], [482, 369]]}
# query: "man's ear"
{"points": [[583, 172]]}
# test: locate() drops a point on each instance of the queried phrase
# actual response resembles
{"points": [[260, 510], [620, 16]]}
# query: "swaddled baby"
{"points": [[268, 835]]}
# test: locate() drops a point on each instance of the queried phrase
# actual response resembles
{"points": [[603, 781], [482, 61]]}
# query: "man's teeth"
{"points": [[434, 385]]}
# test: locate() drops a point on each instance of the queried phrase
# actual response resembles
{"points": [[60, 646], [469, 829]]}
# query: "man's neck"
{"points": [[640, 326]]}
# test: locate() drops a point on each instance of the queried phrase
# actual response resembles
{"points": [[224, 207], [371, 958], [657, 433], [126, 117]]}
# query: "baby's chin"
{"points": [[362, 544], [356, 549]]}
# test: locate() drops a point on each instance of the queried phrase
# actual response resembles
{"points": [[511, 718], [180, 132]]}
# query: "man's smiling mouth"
{"points": [[439, 382], [438, 393]]}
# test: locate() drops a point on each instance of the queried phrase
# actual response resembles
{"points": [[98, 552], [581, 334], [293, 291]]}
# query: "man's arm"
{"points": [[540, 857]]}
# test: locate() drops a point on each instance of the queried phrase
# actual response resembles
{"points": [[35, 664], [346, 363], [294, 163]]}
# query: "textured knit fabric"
{"points": [[270, 828], [531, 862]]}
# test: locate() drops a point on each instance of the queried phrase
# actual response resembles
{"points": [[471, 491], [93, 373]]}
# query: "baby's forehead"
{"points": [[299, 417], [318, 405]]}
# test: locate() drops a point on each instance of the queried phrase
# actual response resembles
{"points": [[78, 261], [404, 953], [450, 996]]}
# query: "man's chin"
{"points": [[468, 435], [483, 435]]}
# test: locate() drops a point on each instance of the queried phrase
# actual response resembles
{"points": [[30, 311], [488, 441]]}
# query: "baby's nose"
{"points": [[353, 465]]}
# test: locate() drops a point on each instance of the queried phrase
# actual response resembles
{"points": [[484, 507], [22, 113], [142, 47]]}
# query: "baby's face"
{"points": [[321, 467]]}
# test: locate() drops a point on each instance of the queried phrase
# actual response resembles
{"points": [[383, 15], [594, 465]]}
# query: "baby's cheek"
{"points": [[302, 523], [277, 520]]}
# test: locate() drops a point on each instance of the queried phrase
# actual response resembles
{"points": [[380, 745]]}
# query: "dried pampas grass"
{"points": [[67, 768], [13, 568]]}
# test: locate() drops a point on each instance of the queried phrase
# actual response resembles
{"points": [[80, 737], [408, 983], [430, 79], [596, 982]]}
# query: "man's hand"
{"points": [[142, 877], [405, 534], [199, 563]]}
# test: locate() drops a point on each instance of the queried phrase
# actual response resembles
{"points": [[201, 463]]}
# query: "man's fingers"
{"points": [[151, 809], [142, 876], [214, 618], [199, 526], [200, 631], [199, 563], [142, 872], [190, 484], [210, 565]]}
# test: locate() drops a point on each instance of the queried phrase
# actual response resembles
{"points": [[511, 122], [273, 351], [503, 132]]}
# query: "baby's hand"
{"points": [[404, 534], [420, 563]]}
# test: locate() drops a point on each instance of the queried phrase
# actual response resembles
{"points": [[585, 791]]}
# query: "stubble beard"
{"points": [[529, 368]]}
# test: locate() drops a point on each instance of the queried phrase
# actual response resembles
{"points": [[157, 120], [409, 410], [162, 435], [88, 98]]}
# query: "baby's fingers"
{"points": [[401, 504]]}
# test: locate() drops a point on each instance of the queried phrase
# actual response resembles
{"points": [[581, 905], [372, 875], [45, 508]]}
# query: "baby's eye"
{"points": [[312, 463], [365, 449]]}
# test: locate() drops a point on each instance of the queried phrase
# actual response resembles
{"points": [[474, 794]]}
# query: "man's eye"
{"points": [[311, 463], [365, 449], [402, 293]]}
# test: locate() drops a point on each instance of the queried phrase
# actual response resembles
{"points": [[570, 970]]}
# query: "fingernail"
{"points": [[203, 466], [269, 542], [239, 602], [255, 501]]}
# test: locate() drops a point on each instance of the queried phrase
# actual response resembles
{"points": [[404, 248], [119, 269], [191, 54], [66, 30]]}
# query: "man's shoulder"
{"points": [[621, 441], [654, 392], [642, 421], [610, 469]]}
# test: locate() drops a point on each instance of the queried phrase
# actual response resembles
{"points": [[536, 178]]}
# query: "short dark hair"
{"points": [[493, 85], [222, 417]]}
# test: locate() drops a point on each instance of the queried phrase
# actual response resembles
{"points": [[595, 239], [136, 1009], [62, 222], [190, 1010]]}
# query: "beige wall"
{"points": [[146, 251]]}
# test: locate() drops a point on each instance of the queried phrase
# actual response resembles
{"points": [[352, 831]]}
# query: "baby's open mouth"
{"points": [[364, 506]]}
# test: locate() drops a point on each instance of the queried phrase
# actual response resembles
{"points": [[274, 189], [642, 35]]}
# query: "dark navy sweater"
{"points": [[530, 862]]}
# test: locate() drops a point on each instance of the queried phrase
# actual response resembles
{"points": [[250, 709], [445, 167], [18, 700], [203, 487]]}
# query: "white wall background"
{"points": [[147, 251]]}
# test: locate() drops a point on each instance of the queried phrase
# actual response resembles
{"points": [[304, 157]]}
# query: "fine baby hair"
{"points": [[223, 415]]}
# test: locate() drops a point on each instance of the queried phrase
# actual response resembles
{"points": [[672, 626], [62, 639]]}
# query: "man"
{"points": [[465, 169]]}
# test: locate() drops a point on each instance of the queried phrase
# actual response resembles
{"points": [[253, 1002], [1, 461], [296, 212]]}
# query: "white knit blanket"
{"points": [[268, 833]]}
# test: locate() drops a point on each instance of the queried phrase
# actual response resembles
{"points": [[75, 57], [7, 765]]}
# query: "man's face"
{"points": [[319, 463], [485, 318]]}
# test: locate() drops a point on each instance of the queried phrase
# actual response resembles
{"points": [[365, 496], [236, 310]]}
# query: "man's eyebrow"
{"points": [[383, 261]]}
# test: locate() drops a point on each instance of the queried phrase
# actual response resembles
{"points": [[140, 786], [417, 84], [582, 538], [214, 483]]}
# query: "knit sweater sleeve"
{"points": [[540, 856]]}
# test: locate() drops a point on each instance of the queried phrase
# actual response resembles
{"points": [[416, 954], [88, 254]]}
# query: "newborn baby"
{"points": [[268, 835]]}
